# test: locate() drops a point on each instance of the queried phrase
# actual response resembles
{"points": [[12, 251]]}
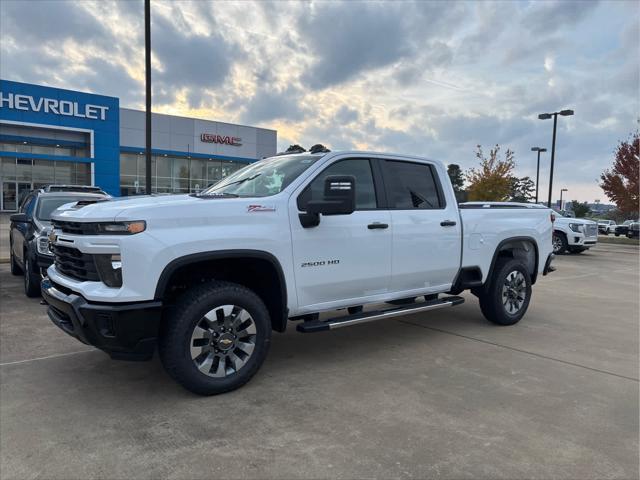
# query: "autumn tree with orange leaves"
{"points": [[620, 182], [492, 180]]}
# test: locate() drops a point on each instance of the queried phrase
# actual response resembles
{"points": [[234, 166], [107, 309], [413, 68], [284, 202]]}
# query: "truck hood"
{"points": [[165, 209], [579, 221], [127, 208]]}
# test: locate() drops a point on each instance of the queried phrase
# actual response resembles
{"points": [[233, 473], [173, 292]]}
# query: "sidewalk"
{"points": [[4, 237]]}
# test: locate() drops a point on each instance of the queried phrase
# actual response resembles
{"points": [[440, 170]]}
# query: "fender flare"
{"points": [[496, 253], [180, 262]]}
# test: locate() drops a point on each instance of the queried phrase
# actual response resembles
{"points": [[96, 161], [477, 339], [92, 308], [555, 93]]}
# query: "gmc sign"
{"points": [[225, 140]]}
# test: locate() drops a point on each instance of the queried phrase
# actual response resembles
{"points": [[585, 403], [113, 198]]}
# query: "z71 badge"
{"points": [[321, 263]]}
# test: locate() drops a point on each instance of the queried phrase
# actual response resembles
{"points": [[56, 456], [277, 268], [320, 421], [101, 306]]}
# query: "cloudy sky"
{"points": [[428, 78]]}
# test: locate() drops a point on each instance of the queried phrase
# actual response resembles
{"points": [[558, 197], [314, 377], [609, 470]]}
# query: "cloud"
{"points": [[430, 78], [269, 104], [188, 61]]}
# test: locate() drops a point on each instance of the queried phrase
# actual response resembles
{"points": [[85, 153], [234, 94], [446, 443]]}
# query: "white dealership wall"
{"points": [[182, 135]]}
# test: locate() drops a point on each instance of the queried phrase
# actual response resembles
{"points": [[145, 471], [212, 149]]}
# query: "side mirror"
{"points": [[19, 218], [339, 199]]}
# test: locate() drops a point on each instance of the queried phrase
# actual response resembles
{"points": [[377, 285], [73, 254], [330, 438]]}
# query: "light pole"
{"points": [[562, 190], [547, 116], [539, 150], [147, 78]]}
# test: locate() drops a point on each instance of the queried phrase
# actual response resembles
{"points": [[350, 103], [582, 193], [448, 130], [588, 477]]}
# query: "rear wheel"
{"points": [[216, 338], [559, 243], [31, 279], [506, 299]]}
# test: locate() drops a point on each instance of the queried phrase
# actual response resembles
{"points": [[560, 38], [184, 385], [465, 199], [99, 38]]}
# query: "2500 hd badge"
{"points": [[321, 263]]}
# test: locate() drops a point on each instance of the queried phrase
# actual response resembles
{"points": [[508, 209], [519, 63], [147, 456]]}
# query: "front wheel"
{"points": [[507, 297], [559, 243], [31, 279], [15, 269], [216, 338]]}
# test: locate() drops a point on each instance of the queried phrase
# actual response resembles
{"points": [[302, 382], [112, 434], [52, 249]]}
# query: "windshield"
{"points": [[264, 178], [46, 206]]}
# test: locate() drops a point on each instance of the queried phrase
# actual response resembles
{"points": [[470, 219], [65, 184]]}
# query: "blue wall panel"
{"points": [[106, 132]]}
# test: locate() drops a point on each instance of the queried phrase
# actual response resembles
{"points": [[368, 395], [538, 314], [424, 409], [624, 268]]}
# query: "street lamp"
{"points": [[147, 82], [539, 150], [547, 116], [562, 190]]}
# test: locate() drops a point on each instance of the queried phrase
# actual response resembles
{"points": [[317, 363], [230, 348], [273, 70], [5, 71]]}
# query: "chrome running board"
{"points": [[339, 322]]}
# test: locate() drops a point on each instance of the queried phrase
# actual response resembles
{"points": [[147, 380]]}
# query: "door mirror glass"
{"points": [[339, 196], [19, 218]]}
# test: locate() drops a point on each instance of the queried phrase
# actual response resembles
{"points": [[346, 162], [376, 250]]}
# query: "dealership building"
{"points": [[56, 136]]}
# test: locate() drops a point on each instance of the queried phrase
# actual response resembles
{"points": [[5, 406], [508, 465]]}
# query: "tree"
{"points": [[318, 148], [580, 210], [620, 182], [522, 189], [456, 177], [492, 180], [295, 148]]}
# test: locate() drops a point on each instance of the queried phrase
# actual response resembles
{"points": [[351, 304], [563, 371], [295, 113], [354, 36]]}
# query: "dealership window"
{"points": [[172, 174]]}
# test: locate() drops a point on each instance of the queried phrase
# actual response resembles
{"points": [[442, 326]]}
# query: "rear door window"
{"points": [[411, 186]]}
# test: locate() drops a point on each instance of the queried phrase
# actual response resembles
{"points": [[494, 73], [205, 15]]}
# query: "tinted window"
{"points": [[410, 186], [48, 205], [27, 205], [359, 168]]}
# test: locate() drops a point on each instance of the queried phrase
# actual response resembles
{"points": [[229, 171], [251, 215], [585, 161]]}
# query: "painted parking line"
{"points": [[28, 360]]}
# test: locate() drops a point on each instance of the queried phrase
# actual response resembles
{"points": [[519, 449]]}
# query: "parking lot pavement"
{"points": [[443, 394]]}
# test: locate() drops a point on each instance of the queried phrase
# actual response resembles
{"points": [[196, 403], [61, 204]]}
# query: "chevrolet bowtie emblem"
{"points": [[225, 342], [52, 237]]}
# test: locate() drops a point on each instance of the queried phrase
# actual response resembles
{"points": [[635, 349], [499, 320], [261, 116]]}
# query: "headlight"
{"points": [[576, 227], [42, 244], [109, 268], [121, 228]]}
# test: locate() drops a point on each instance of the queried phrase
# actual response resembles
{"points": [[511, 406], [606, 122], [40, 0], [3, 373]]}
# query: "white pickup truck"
{"points": [[207, 277]]}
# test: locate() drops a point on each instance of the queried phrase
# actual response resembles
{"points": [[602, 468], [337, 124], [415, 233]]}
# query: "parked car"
{"points": [[284, 239], [606, 226], [29, 230], [634, 230], [573, 235], [624, 228]]}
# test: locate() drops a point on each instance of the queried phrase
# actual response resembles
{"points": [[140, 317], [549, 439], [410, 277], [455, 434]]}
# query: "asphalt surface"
{"points": [[443, 394]]}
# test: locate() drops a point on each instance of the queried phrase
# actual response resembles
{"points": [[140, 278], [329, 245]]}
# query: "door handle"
{"points": [[448, 223], [377, 225]]}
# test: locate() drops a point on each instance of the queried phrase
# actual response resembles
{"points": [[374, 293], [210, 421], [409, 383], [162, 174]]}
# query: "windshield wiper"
{"points": [[243, 180], [221, 194]]}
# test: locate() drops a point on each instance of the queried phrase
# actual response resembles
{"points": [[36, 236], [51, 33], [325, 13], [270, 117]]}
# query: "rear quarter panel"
{"points": [[485, 228]]}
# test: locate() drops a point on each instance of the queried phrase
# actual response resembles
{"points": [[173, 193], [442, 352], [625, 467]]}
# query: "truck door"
{"points": [[426, 231], [345, 256]]}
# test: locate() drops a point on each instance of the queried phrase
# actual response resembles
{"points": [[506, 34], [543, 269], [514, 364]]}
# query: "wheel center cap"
{"points": [[225, 342]]}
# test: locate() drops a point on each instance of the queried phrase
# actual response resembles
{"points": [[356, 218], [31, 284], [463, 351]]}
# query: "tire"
{"points": [[617, 234], [15, 268], [507, 297], [31, 279], [403, 301], [236, 316], [560, 244]]}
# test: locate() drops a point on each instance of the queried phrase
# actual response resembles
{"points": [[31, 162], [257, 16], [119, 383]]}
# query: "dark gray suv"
{"points": [[30, 228]]}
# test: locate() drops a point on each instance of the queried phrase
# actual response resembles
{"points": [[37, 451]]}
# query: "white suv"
{"points": [[573, 235]]}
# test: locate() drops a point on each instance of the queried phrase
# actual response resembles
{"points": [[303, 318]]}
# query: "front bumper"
{"points": [[126, 331]]}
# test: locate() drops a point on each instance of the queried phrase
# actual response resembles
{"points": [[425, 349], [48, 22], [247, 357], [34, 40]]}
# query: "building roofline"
{"points": [[201, 119]]}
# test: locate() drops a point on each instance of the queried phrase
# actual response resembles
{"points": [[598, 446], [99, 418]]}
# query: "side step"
{"points": [[339, 322]]}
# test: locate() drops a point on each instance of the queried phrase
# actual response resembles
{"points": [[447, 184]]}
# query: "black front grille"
{"points": [[76, 228], [75, 264]]}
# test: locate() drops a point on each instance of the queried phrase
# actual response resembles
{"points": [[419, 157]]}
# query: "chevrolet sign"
{"points": [[225, 140], [52, 105]]}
